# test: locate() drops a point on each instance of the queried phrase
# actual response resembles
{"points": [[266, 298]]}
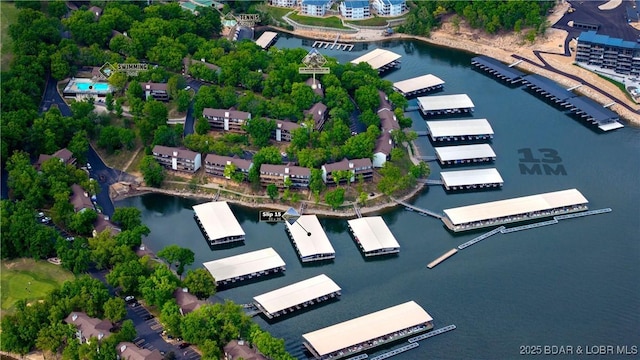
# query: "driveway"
{"points": [[189, 121]]}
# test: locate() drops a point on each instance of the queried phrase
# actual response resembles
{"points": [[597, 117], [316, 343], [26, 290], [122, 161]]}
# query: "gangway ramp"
{"points": [[480, 238], [417, 209]]}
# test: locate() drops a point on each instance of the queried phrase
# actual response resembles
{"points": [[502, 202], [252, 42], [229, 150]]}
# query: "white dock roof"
{"points": [[373, 233], [459, 127], [317, 243], [217, 220], [417, 83], [244, 264], [471, 177], [514, 206], [296, 294], [443, 102], [377, 58], [461, 152], [266, 38], [367, 327]]}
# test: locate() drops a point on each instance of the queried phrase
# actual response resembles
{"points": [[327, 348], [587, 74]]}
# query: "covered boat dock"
{"points": [[379, 59], [309, 239], [369, 331], [594, 113], [498, 69], [471, 179], [297, 296], [460, 130], [373, 236], [524, 208], [548, 88], [217, 222], [267, 39], [445, 104], [463, 154], [245, 266], [418, 85]]}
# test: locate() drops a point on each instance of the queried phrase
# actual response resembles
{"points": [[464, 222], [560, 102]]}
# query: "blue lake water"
{"points": [[570, 284]]}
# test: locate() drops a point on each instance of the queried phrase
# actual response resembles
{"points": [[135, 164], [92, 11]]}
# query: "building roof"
{"points": [[222, 113], [96, 10], [373, 233], [378, 58], [595, 38], [318, 89], [153, 86], [417, 83], [239, 349], [244, 264], [175, 152], [266, 39], [367, 327], [103, 223], [393, 2], [186, 61], [514, 206], [346, 164], [592, 110], [286, 125], [217, 220], [285, 170], [550, 87], [459, 128], [129, 351], [315, 2], [353, 4], [297, 293], [443, 102], [310, 245], [464, 152], [241, 164], [384, 100], [471, 177], [90, 327], [498, 66], [384, 144], [186, 300], [63, 154], [388, 120], [317, 112], [80, 199]]}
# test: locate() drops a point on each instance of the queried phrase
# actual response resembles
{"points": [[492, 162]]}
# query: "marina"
{"points": [[445, 104], [297, 296], [373, 236], [379, 59], [418, 85], [498, 69], [471, 179], [267, 39], [548, 88], [309, 239], [594, 113], [460, 130], [332, 45], [367, 332], [245, 266], [217, 223], [465, 154], [514, 210], [442, 258]]}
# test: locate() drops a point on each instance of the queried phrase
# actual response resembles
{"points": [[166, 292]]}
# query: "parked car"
{"points": [[129, 298], [188, 88], [148, 317], [88, 166], [183, 345], [45, 220]]}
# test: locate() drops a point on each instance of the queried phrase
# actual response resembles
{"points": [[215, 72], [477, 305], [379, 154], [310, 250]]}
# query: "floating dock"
{"points": [[445, 104], [477, 239], [309, 239], [245, 266], [418, 85], [581, 214], [297, 296], [498, 69], [529, 226], [373, 236], [332, 45], [267, 39], [442, 258], [433, 333], [396, 351], [460, 130], [471, 179], [548, 89], [594, 113], [465, 154], [217, 222], [379, 59], [420, 211], [514, 210], [369, 331]]}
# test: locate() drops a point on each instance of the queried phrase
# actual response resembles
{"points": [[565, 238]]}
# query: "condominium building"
{"points": [[283, 130], [318, 112], [315, 7], [277, 174], [214, 165], [357, 9], [284, 3], [155, 91], [177, 159], [356, 168], [609, 53], [226, 120], [389, 7]]}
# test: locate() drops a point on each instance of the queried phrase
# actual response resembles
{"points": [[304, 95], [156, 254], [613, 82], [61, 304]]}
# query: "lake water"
{"points": [[570, 284]]}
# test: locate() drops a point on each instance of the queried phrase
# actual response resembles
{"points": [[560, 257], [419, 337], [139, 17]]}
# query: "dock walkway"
{"points": [[431, 181], [357, 210], [359, 357], [417, 209], [332, 45], [396, 351], [581, 214], [529, 226], [481, 237], [432, 333]]}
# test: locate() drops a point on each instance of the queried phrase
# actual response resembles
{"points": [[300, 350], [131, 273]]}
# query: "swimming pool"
{"points": [[95, 86]]}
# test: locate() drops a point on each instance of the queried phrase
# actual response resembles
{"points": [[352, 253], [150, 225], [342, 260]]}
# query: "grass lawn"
{"points": [[331, 22], [28, 279], [374, 21], [277, 12], [618, 84], [9, 15]]}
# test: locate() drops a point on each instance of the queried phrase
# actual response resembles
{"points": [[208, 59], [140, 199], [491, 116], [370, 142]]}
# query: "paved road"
{"points": [[189, 122]]}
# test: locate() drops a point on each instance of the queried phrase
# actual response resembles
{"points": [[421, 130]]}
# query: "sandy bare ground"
{"points": [[611, 4], [503, 46]]}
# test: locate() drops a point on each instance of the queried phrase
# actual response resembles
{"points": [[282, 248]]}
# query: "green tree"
{"points": [[156, 113], [115, 309], [134, 91], [202, 126], [126, 275], [127, 331], [200, 283], [335, 198], [53, 337], [82, 222], [259, 130], [159, 286], [272, 191], [171, 317], [266, 155], [152, 172], [118, 80], [183, 100], [127, 217], [174, 254]]}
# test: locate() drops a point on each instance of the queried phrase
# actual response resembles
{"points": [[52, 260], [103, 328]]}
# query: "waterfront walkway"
{"points": [[417, 209]]}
